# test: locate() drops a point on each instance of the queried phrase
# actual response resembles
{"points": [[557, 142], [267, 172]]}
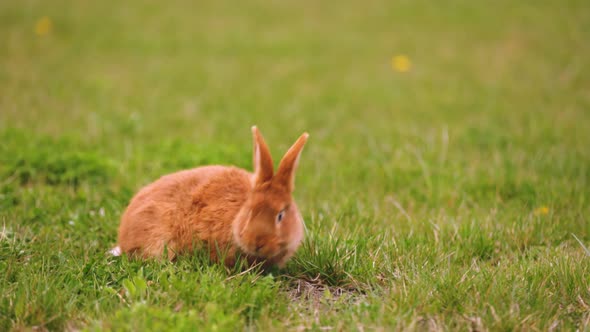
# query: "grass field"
{"points": [[442, 194]]}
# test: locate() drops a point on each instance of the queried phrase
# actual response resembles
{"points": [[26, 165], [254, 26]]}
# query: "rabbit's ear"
{"points": [[263, 169], [286, 172]]}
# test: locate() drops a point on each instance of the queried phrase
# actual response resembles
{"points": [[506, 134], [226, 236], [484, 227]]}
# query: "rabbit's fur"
{"points": [[222, 209]]}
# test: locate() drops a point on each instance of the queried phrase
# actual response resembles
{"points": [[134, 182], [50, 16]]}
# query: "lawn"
{"points": [[445, 184]]}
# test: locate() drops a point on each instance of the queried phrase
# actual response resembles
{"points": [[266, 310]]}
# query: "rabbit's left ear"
{"points": [[263, 169], [286, 172]]}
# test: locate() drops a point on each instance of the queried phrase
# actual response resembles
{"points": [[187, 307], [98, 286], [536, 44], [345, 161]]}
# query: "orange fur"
{"points": [[219, 209]]}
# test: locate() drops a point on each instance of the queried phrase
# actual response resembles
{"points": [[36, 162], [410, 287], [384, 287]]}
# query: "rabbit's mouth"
{"points": [[267, 252], [279, 257]]}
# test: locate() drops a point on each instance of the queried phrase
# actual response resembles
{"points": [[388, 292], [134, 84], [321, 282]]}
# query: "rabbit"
{"points": [[225, 210]]}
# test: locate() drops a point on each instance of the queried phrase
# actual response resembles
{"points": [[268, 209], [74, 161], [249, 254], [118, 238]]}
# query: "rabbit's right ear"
{"points": [[263, 169]]}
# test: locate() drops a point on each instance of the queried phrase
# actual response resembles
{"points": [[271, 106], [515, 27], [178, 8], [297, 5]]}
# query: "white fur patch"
{"points": [[116, 251]]}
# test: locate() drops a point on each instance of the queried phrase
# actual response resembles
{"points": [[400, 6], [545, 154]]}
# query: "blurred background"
{"points": [[438, 102]]}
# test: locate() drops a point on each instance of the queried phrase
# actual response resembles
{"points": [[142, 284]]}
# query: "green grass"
{"points": [[444, 198]]}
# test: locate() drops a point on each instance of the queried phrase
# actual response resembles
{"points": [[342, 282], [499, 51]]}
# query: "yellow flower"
{"points": [[43, 26], [543, 210], [401, 63]]}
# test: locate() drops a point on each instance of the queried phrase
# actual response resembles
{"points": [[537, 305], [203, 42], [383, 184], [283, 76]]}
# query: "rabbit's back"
{"points": [[185, 208]]}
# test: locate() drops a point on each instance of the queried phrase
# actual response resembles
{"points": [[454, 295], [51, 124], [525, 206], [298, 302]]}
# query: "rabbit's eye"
{"points": [[280, 216]]}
